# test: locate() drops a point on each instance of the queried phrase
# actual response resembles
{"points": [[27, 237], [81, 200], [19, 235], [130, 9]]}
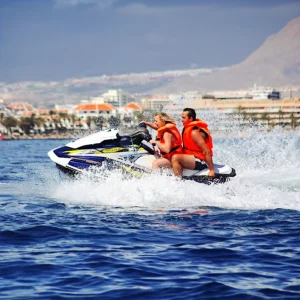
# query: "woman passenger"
{"points": [[168, 139]]}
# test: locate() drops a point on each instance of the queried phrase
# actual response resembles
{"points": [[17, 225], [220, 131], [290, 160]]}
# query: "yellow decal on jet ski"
{"points": [[112, 150], [71, 152], [137, 174], [92, 151]]}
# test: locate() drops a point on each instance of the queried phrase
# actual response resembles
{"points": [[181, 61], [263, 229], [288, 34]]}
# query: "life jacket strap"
{"points": [[191, 149], [172, 150]]}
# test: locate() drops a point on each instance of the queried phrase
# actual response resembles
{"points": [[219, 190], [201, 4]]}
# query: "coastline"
{"points": [[40, 137], [76, 135]]}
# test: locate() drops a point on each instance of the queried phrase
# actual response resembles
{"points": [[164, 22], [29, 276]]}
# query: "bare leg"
{"points": [[161, 163], [180, 161]]}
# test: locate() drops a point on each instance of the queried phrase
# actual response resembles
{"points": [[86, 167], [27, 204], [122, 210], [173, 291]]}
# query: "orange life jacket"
{"points": [[189, 146], [176, 143]]}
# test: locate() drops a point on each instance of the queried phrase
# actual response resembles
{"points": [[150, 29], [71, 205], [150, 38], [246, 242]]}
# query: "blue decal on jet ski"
{"points": [[108, 151]]}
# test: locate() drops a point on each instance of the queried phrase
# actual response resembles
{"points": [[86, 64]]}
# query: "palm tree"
{"points": [[26, 124], [51, 113], [10, 122], [146, 114], [240, 111], [127, 120], [265, 117], [139, 116], [99, 121], [89, 121], [73, 119], [114, 122], [39, 121], [293, 121], [1, 117], [280, 116], [245, 116], [62, 115]]}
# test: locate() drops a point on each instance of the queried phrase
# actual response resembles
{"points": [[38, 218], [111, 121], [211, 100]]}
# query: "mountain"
{"points": [[276, 63], [73, 90]]}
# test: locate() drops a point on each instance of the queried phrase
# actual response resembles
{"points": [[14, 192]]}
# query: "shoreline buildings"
{"points": [[258, 106]]}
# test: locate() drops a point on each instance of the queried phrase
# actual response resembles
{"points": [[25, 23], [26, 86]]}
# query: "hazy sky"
{"points": [[58, 39]]}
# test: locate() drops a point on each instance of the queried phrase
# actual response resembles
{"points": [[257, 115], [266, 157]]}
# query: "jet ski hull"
{"points": [[105, 151]]}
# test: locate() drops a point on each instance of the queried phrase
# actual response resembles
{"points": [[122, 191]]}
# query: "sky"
{"points": [[52, 40]]}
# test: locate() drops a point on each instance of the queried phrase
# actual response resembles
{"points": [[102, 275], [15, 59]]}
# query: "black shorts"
{"points": [[200, 164]]}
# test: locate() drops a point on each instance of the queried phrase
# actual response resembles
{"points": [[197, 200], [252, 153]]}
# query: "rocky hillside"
{"points": [[276, 63]]}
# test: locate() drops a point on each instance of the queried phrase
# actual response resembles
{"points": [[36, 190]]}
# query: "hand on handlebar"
{"points": [[142, 124], [211, 174]]}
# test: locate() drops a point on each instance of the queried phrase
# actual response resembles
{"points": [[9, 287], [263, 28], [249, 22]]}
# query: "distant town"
{"points": [[257, 106]]}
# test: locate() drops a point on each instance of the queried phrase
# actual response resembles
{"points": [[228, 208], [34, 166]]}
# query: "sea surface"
{"points": [[153, 238]]}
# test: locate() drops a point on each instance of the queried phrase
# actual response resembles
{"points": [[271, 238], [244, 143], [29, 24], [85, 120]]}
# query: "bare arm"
{"points": [[150, 124], [167, 145], [199, 139]]}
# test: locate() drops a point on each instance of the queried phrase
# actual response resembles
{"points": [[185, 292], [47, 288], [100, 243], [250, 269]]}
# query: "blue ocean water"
{"points": [[152, 239]]}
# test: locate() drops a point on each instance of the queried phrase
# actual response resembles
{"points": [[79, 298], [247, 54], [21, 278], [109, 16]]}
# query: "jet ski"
{"points": [[107, 150]]}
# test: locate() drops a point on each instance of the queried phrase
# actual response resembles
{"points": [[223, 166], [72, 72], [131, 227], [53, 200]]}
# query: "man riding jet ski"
{"points": [[132, 153]]}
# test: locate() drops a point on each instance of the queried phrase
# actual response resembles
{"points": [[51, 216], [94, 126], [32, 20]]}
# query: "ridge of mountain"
{"points": [[275, 63], [75, 89]]}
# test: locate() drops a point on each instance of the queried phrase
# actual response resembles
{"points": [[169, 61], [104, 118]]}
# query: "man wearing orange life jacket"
{"points": [[168, 139], [197, 145]]}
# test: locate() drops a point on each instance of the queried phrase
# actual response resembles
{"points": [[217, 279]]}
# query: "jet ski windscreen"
{"points": [[140, 134]]}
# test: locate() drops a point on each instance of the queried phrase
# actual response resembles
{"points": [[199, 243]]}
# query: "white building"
{"points": [[156, 102], [255, 93], [233, 95], [128, 112], [85, 110], [67, 107], [117, 98], [99, 100], [263, 93]]}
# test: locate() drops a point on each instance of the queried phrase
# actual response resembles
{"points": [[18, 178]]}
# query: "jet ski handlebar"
{"points": [[139, 134]]}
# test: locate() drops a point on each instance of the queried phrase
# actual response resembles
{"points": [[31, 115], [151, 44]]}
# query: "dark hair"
{"points": [[191, 113]]}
